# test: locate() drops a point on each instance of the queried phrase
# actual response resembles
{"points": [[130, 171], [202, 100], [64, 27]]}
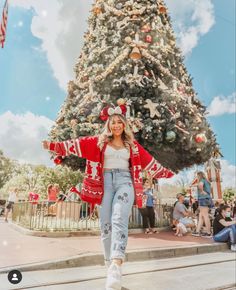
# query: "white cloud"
{"points": [[21, 136], [228, 175], [44, 13], [185, 176], [60, 25], [221, 105], [192, 19]]}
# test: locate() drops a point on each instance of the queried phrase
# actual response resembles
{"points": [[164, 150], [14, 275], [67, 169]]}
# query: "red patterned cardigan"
{"points": [[92, 188]]}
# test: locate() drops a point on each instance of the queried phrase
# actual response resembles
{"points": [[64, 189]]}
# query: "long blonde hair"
{"points": [[106, 134], [202, 175]]}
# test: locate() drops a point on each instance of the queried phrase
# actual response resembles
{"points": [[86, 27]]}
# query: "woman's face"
{"points": [[147, 184], [116, 126], [226, 213], [199, 177]]}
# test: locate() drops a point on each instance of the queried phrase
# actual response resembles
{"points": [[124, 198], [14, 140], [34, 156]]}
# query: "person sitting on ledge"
{"points": [[181, 213], [224, 228]]}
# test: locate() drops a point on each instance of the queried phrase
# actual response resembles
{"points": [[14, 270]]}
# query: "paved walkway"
{"points": [[198, 272], [19, 249]]}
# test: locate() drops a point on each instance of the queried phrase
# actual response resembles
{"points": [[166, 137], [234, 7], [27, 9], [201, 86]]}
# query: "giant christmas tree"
{"points": [[130, 54]]}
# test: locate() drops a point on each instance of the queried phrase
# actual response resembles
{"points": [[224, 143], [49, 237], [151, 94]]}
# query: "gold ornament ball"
{"points": [[97, 10], [128, 39], [146, 28], [121, 101], [162, 9]]}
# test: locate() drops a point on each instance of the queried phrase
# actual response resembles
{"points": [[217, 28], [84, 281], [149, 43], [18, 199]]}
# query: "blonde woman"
{"points": [[113, 179]]}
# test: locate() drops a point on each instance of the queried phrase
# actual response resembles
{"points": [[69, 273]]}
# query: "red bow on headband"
{"points": [[109, 111]]}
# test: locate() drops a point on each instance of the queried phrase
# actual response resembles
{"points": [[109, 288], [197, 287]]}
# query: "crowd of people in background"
{"points": [[54, 196], [199, 216], [204, 217]]}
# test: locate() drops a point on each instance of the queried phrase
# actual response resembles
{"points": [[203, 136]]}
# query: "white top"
{"points": [[12, 197], [114, 158]]}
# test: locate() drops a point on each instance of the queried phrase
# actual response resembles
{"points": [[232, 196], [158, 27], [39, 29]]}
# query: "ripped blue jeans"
{"points": [[226, 235], [115, 209]]}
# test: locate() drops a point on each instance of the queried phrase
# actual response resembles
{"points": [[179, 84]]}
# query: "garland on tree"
{"points": [[130, 54]]}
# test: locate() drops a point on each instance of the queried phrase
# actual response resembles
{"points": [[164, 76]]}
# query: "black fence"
{"points": [[74, 216]]}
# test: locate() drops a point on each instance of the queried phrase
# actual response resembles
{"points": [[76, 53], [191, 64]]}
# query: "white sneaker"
{"points": [[107, 263], [114, 277], [233, 247]]}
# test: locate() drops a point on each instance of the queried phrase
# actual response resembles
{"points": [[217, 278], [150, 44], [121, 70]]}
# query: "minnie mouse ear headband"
{"points": [[109, 111]]}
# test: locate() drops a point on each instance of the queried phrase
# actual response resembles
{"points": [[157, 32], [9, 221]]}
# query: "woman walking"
{"points": [[204, 202], [113, 179]]}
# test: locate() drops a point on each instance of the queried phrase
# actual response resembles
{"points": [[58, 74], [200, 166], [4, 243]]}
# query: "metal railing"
{"points": [[74, 216]]}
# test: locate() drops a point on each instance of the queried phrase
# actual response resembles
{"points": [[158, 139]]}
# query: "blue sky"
{"points": [[38, 59], [26, 77], [212, 64]]}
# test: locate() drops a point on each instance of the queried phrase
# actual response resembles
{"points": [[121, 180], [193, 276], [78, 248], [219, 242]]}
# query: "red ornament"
{"points": [[58, 160], [148, 38], [104, 114], [162, 9], [200, 138], [123, 109]]}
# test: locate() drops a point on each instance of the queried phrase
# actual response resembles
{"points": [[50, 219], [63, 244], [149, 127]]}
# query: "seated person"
{"points": [[224, 228], [52, 208], [181, 213], [180, 228]]}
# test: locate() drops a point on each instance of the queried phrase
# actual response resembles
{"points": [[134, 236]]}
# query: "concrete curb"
{"points": [[67, 234], [90, 259]]}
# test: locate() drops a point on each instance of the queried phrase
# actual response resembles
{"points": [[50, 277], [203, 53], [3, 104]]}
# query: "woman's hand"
{"points": [[46, 144]]}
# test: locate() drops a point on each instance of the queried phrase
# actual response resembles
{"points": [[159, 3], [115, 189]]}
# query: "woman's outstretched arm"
{"points": [[79, 147], [152, 166]]}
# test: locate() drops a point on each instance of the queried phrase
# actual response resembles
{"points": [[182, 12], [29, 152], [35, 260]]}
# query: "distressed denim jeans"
{"points": [[115, 209], [227, 234]]}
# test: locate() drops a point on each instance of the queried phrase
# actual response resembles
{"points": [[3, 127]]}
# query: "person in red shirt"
{"points": [[33, 197], [52, 192]]}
